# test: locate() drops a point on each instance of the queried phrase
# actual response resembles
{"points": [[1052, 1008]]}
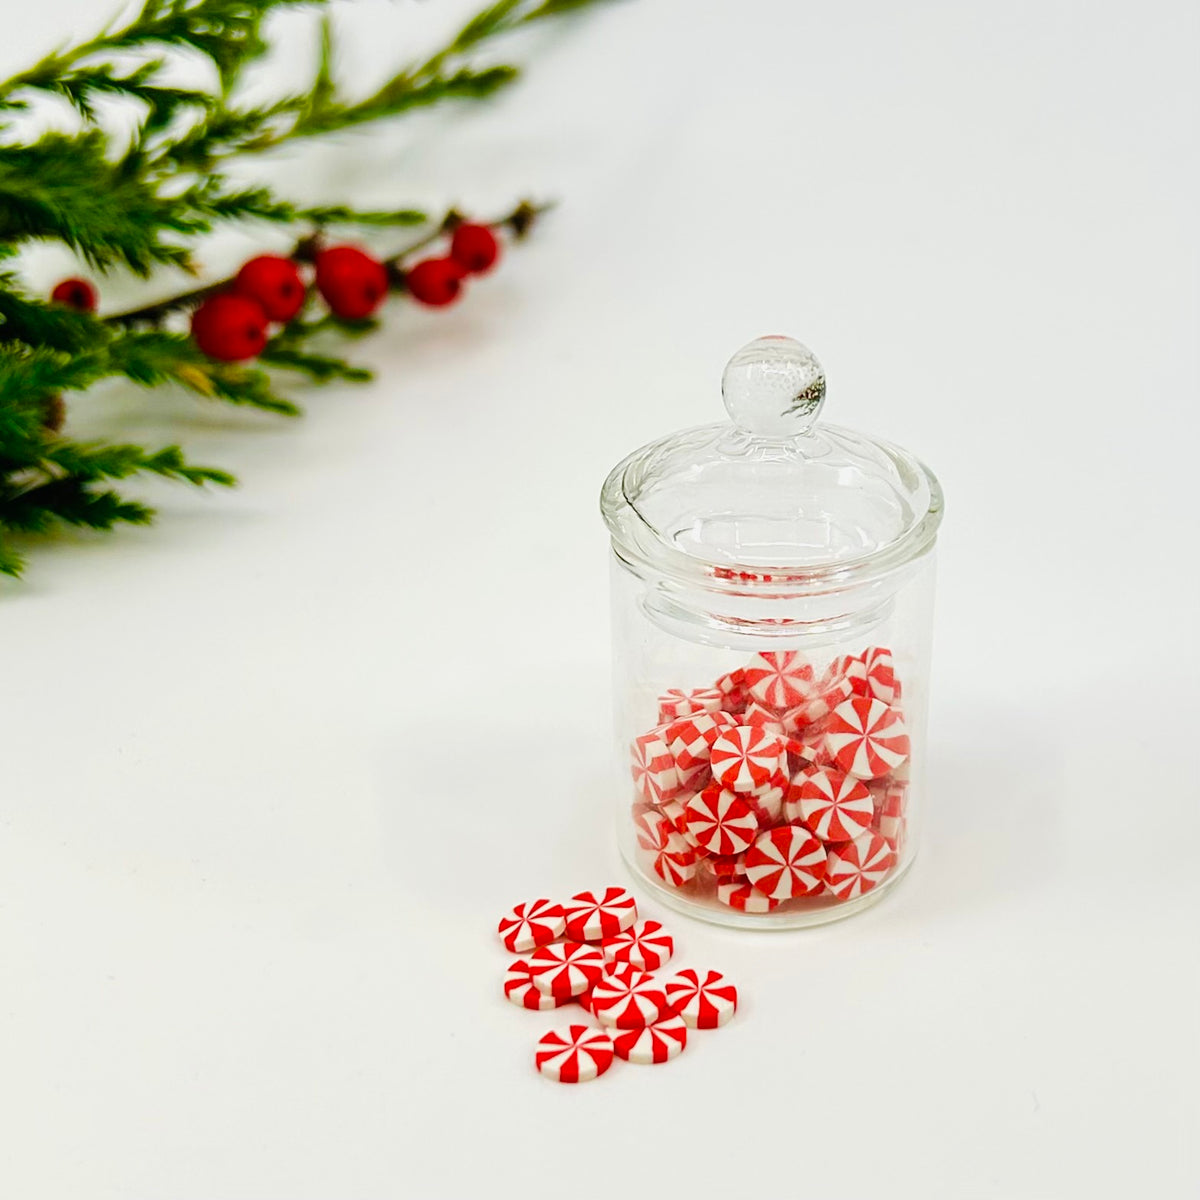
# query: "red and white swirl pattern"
{"points": [[763, 718], [627, 998], [856, 867], [565, 969], [779, 678], [745, 759], [880, 675], [690, 739], [520, 989], [653, 769], [786, 862], [866, 738], [657, 1043], [591, 917], [719, 821], [744, 896], [836, 807], [705, 1001], [675, 703], [531, 925], [576, 1055], [647, 946]]}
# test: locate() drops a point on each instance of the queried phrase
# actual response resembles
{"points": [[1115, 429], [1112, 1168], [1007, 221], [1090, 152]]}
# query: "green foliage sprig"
{"points": [[137, 200]]}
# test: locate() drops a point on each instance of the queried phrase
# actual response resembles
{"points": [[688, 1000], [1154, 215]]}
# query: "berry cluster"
{"points": [[232, 322]]}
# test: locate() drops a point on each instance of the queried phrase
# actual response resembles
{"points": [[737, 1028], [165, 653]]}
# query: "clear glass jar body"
{"points": [[823, 841]]}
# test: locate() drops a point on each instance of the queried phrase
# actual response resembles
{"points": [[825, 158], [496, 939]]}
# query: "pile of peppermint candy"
{"points": [[781, 786], [593, 952]]}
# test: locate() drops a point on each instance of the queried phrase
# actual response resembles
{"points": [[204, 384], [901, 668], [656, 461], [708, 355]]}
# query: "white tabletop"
{"points": [[275, 767]]}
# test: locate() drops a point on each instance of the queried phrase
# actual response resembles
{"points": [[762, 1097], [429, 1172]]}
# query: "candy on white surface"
{"points": [[575, 1055], [703, 1000], [531, 925], [565, 969], [646, 946], [519, 988], [591, 916], [657, 1043]]}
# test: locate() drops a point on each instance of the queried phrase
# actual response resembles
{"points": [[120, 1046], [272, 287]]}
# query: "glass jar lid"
{"points": [[771, 497]]}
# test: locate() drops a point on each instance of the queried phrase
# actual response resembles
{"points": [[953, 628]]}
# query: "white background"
{"points": [[274, 768]]}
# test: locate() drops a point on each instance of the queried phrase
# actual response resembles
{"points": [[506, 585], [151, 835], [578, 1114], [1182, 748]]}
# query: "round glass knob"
{"points": [[774, 387]]}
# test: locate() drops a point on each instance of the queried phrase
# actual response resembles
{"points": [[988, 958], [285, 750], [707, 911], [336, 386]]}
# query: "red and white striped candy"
{"points": [[626, 998], [646, 946], [786, 862], [763, 718], [807, 751], [673, 811], [856, 867], [854, 668], [674, 703], [778, 678], [704, 1002], [732, 687], [725, 870], [690, 739], [531, 925], [880, 674], [590, 917], [821, 697], [836, 807], [521, 990], [676, 863], [745, 759], [652, 829], [866, 738], [719, 821], [653, 768], [657, 1043], [791, 797], [889, 811], [565, 969], [744, 896], [767, 802], [576, 1055]]}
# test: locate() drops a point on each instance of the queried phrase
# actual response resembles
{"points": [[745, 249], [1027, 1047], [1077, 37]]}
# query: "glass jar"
{"points": [[772, 589]]}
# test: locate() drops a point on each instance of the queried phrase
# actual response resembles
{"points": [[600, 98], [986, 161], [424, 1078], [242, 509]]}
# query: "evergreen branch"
{"points": [[320, 367]]}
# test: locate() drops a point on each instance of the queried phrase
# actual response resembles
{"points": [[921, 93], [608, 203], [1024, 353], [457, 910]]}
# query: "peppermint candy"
{"points": [[866, 738], [646, 946], [856, 867], [703, 1002], [565, 969], [786, 862], [836, 807], [890, 801], [531, 925], [725, 870], [732, 687], [880, 675], [627, 998], [655, 775], [690, 739], [576, 1055], [520, 989], [657, 1043], [719, 821], [763, 718], [746, 758], [675, 703], [744, 896], [590, 918], [778, 679]]}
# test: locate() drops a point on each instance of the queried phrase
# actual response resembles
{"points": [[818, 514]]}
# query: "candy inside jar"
{"points": [[772, 599]]}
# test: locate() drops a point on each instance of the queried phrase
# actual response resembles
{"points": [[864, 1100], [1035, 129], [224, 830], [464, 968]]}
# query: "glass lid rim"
{"points": [[655, 552]]}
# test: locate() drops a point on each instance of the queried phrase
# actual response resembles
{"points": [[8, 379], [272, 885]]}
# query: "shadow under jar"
{"points": [[772, 591]]}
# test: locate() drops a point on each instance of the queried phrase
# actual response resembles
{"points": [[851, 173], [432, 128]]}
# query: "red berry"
{"points": [[474, 248], [353, 283], [75, 293], [436, 281], [275, 283], [230, 327]]}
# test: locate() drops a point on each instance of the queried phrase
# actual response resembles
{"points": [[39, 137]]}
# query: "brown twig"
{"points": [[519, 221]]}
